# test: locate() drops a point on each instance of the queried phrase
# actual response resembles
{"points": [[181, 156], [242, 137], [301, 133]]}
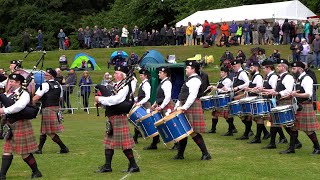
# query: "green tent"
{"points": [[91, 63]]}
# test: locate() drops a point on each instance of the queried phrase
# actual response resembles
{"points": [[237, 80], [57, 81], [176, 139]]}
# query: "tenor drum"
{"points": [[245, 104], [174, 127], [38, 79], [146, 124], [283, 115], [235, 108], [137, 113], [260, 107], [221, 101], [206, 102]]}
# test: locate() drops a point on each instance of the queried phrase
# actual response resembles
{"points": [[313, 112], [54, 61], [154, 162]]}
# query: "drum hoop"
{"points": [[282, 110], [144, 117], [172, 115], [234, 102], [134, 109], [205, 98], [152, 135], [260, 100]]}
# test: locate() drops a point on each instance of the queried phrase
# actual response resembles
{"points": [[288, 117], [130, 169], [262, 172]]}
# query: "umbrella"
{"points": [[123, 54]]}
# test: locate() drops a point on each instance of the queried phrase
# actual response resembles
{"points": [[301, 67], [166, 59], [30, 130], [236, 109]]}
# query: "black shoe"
{"points": [[38, 152], [288, 151], [1, 136], [243, 137], [212, 131], [3, 177], [270, 146], [151, 147], [178, 157], [255, 140], [174, 147], [283, 141], [206, 157], [36, 174], [103, 169], [234, 131], [298, 146], [64, 150], [250, 133], [316, 151], [132, 169], [227, 134], [266, 136]]}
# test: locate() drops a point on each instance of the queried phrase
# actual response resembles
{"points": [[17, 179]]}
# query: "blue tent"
{"points": [[91, 63], [152, 57]]}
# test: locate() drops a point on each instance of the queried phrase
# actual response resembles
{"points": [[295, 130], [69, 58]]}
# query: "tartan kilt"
{"points": [[170, 106], [23, 140], [281, 103], [196, 117], [50, 123], [221, 113], [121, 138], [306, 119]]}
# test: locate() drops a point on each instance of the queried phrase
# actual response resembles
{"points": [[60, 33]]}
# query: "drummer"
{"points": [[255, 83], [163, 100], [282, 93], [143, 96], [225, 81], [240, 82], [306, 119], [190, 104]]}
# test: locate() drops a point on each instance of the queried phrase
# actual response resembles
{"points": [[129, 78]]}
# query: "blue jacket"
{"points": [[246, 27], [84, 81], [233, 28]]}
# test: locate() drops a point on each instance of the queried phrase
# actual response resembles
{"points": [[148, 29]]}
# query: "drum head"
{"points": [[280, 108], [260, 100], [133, 110], [234, 102], [205, 97], [248, 99]]}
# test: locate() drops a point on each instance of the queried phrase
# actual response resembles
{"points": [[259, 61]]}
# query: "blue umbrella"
{"points": [[123, 54]]}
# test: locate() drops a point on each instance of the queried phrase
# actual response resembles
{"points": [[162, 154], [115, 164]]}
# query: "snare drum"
{"points": [[137, 113], [260, 107], [246, 106], [283, 115], [234, 108], [221, 101], [146, 124], [206, 102], [174, 127]]}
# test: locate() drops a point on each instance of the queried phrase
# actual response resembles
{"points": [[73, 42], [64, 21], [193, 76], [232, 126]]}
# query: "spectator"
{"points": [[255, 34], [286, 31], [299, 29], [40, 40], [135, 36], [246, 32], [87, 37], [315, 31], [189, 33], [96, 37], [206, 31], [61, 36], [1, 43], [269, 36], [71, 81], [8, 48], [199, 29], [305, 52], [223, 41], [275, 56], [170, 36], [67, 43], [81, 38], [60, 79], [225, 29], [241, 56], [261, 56], [262, 33], [163, 34], [292, 32], [107, 79], [84, 65], [124, 35], [239, 33], [296, 48], [276, 33], [194, 36], [180, 35], [26, 41], [253, 58], [233, 29], [85, 89], [315, 46], [307, 31], [226, 58], [213, 32]]}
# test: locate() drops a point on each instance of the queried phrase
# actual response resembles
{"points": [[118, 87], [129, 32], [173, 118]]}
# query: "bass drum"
{"points": [[24, 73]]}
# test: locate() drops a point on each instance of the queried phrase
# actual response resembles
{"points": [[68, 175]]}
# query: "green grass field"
{"points": [[231, 159]]}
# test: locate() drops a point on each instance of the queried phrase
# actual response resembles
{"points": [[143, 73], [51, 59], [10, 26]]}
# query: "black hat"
{"points": [[16, 77], [283, 61], [164, 69], [255, 63], [52, 72], [236, 61], [194, 64], [267, 63], [123, 69], [298, 64], [144, 72], [225, 69]]}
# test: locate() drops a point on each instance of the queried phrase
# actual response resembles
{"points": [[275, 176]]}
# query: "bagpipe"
{"points": [[30, 111]]}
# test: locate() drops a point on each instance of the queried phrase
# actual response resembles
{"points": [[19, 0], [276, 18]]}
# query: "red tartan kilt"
{"points": [[306, 119], [50, 123], [121, 138], [170, 106], [221, 113], [195, 117], [23, 140]]}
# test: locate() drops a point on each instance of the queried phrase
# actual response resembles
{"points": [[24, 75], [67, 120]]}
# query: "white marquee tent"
{"points": [[292, 10]]}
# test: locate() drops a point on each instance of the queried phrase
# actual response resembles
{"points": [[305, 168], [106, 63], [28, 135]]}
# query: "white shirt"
{"points": [[307, 84], [258, 80], [3, 83], [199, 30], [244, 77], [273, 80], [288, 83], [194, 86], [18, 105], [125, 32], [45, 89], [147, 90], [166, 87], [115, 99], [226, 83], [134, 83]]}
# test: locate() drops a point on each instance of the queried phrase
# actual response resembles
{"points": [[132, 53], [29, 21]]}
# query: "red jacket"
{"points": [[213, 29]]}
